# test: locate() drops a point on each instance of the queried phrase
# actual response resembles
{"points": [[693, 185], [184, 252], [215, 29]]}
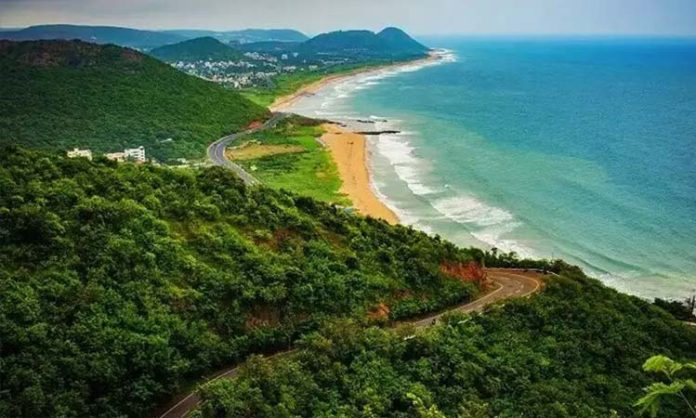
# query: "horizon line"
{"points": [[414, 33]]}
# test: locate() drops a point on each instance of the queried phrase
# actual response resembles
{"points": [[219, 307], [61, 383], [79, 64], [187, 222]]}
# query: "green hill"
{"points": [[362, 40], [134, 38], [198, 49], [245, 35], [575, 350], [145, 39], [398, 40], [391, 43], [63, 94], [122, 282]]}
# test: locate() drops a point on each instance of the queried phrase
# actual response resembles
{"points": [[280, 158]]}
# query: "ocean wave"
{"points": [[469, 210], [343, 89], [486, 223]]}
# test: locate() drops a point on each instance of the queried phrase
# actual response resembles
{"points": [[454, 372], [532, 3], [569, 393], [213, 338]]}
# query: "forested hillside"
{"points": [[198, 49], [391, 43], [133, 38], [63, 94], [575, 350], [122, 282]]}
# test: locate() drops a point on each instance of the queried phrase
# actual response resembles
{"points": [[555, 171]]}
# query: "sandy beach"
{"points": [[349, 151], [282, 103]]}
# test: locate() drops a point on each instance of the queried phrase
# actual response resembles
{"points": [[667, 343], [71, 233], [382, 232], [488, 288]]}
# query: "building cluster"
{"points": [[236, 74], [253, 70], [128, 154]]}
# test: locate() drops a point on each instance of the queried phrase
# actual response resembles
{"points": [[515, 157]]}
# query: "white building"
{"points": [[137, 154], [116, 156], [76, 153]]}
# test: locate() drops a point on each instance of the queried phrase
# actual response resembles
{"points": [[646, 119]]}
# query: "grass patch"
{"points": [[253, 150], [309, 172]]}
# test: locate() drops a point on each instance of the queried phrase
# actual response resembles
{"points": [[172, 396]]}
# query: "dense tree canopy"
{"points": [[120, 283], [63, 94], [573, 351], [205, 48]]}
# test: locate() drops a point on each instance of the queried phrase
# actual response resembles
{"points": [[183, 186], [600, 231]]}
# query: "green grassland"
{"points": [[310, 173]]}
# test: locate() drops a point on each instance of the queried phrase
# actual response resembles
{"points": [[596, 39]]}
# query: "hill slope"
{"points": [[145, 39], [119, 281], [134, 38], [389, 43], [198, 49], [398, 40], [575, 350], [63, 94], [245, 35]]}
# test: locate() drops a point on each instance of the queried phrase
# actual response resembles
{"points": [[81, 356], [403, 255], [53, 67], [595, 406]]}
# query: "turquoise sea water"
{"points": [[583, 149]]}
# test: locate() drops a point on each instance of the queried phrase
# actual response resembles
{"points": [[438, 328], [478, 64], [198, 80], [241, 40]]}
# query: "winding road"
{"points": [[216, 150], [510, 283]]}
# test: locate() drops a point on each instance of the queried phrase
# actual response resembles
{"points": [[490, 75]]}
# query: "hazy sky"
{"points": [[664, 17]]}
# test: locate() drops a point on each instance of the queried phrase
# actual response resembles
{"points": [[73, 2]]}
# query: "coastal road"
{"points": [[216, 150], [510, 283]]}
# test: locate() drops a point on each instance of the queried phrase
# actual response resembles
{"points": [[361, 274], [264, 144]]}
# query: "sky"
{"points": [[421, 17]]}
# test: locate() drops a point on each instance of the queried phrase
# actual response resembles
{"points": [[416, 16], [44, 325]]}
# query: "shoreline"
{"points": [[281, 103], [349, 152], [349, 149]]}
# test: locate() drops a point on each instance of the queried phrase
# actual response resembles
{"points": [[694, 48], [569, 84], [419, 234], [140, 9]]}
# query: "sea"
{"points": [[582, 149]]}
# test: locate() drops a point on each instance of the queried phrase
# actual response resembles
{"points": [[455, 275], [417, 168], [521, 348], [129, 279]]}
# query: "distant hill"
{"points": [[269, 46], [355, 45], [246, 35], [347, 40], [134, 38], [398, 40], [63, 94], [390, 42], [198, 49]]}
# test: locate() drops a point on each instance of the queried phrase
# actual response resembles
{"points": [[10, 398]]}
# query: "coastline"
{"points": [[349, 149], [349, 152], [283, 102]]}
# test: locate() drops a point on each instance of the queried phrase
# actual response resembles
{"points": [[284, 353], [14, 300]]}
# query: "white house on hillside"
{"points": [[116, 156], [76, 153], [137, 154]]}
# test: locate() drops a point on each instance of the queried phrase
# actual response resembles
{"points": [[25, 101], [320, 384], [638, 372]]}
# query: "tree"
{"points": [[422, 410], [675, 387]]}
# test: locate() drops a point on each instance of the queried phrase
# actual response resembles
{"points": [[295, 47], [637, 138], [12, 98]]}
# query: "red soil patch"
{"points": [[255, 125], [470, 272], [379, 312]]}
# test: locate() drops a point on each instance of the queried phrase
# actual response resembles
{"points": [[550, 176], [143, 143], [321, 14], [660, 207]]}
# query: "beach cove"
{"points": [[348, 147], [508, 146]]}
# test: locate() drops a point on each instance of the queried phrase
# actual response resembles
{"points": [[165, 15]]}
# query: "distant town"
{"points": [[253, 70]]}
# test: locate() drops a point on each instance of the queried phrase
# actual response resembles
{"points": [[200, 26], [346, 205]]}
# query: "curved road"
{"points": [[511, 283], [216, 150]]}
